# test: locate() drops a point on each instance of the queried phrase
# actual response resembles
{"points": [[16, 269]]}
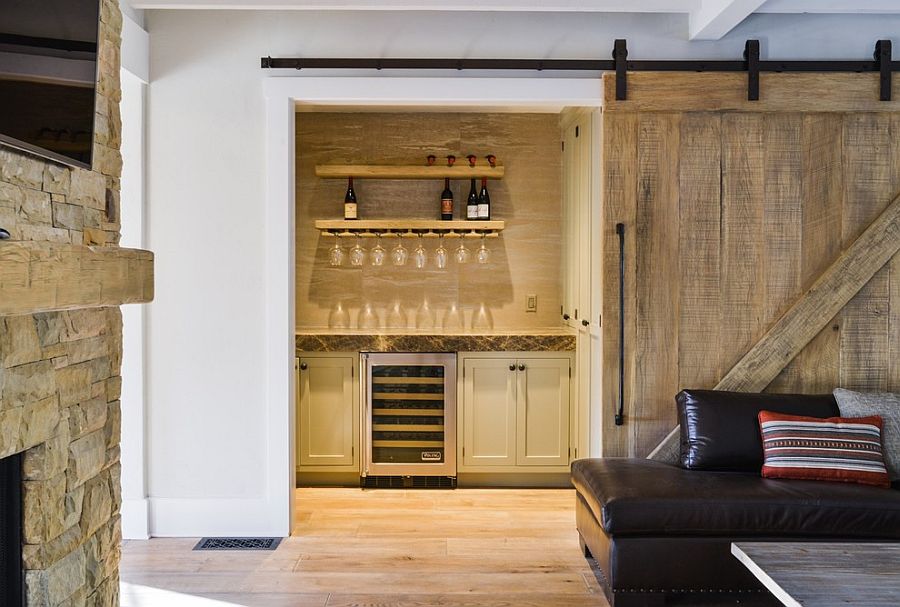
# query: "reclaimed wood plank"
{"points": [[656, 232], [865, 326], [699, 257], [816, 368], [723, 92], [619, 204], [743, 250]]}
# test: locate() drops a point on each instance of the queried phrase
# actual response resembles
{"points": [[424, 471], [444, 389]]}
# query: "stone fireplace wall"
{"points": [[59, 371]]}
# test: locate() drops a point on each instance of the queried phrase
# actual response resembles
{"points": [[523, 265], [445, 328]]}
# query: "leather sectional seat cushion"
{"points": [[720, 430], [638, 497]]}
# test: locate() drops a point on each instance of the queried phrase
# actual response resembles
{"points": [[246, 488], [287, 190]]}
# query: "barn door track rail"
{"points": [[751, 64]]}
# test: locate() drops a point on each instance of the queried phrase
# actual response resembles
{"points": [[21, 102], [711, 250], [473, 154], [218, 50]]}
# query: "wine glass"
{"points": [[339, 317], [357, 254], [462, 253], [420, 255], [440, 254], [484, 254], [399, 254], [378, 253], [336, 254]]}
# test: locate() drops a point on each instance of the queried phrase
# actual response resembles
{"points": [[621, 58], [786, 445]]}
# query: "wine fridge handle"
{"points": [[620, 413]]}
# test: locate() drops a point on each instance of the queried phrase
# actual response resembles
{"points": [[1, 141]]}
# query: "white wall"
{"points": [[206, 375]]}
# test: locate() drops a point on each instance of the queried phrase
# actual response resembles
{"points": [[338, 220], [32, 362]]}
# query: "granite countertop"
{"points": [[539, 340]]}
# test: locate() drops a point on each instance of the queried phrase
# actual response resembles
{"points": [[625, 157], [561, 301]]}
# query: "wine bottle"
{"points": [[472, 203], [447, 201], [350, 211], [484, 202]]}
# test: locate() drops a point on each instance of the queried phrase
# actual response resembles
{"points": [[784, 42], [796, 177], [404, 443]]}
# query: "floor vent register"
{"points": [[238, 543]]}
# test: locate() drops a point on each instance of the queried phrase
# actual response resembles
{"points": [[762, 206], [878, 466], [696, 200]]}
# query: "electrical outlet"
{"points": [[531, 303]]}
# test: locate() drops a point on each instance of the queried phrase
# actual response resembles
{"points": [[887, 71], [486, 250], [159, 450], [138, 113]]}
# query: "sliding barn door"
{"points": [[729, 217]]}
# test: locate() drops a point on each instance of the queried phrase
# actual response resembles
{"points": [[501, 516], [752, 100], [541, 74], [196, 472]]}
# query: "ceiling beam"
{"points": [[715, 18]]}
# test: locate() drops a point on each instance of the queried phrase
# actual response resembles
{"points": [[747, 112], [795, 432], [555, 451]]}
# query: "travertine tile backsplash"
{"points": [[525, 260]]}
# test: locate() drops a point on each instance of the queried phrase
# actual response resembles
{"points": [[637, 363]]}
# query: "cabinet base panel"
{"points": [[523, 480], [327, 479]]}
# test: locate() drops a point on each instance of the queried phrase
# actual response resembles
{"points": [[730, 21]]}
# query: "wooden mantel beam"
{"points": [[810, 313], [46, 276]]}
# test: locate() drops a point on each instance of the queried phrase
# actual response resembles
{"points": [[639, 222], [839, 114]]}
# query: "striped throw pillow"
{"points": [[833, 449]]}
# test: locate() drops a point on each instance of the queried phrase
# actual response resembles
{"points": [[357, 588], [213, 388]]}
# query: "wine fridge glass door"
{"points": [[411, 415]]}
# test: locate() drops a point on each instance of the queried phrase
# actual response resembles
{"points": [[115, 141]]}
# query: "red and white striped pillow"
{"points": [[834, 449]]}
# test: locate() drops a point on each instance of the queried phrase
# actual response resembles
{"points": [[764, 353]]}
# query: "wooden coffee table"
{"points": [[814, 574]]}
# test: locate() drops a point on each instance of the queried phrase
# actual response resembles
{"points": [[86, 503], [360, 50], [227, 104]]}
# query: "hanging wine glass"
{"points": [[399, 254], [440, 254], [484, 254], [378, 252], [420, 255], [462, 253], [336, 254], [357, 254]]}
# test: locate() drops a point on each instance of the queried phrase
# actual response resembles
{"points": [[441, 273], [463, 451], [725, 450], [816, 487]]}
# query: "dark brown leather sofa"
{"points": [[659, 531]]}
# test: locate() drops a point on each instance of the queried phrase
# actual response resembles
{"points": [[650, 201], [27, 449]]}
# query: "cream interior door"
{"points": [[542, 399], [489, 412], [325, 420]]}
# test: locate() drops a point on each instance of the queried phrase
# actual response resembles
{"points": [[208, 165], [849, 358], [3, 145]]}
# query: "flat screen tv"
{"points": [[48, 77]]}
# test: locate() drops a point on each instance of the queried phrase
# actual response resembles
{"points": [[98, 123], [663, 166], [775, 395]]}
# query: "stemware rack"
{"points": [[410, 228]]}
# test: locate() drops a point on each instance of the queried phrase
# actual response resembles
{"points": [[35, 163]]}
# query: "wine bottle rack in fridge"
{"points": [[410, 415]]}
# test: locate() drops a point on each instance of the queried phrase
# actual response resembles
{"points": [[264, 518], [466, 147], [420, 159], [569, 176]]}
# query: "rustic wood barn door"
{"points": [[732, 210]]}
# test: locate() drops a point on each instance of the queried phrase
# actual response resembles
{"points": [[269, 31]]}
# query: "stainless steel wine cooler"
{"points": [[410, 420]]}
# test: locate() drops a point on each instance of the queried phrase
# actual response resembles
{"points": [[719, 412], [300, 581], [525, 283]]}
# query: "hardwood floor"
{"points": [[384, 548]]}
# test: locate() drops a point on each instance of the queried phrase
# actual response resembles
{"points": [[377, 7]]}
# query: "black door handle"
{"points": [[521, 367], [585, 322], [512, 367], [303, 366], [566, 317], [620, 413]]}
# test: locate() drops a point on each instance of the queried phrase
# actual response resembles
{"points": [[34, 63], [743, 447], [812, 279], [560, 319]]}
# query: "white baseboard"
{"points": [[135, 519], [177, 517]]}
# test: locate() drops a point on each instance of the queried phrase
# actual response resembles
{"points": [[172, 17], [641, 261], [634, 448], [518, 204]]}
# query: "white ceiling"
{"points": [[709, 19]]}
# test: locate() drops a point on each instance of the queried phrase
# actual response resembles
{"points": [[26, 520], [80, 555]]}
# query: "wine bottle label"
{"points": [[472, 211], [446, 206], [483, 211], [349, 210]]}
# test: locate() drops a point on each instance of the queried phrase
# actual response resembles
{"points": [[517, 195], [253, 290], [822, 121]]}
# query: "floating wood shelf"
{"points": [[410, 227], [386, 171]]}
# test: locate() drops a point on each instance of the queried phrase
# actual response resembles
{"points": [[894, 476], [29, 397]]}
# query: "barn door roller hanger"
{"points": [[751, 64]]}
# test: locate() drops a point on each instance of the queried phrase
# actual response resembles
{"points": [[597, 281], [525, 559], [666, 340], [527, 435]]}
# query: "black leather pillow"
{"points": [[720, 430]]}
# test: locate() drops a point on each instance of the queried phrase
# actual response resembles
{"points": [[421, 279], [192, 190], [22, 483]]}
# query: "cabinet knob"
{"points": [[585, 322], [303, 366], [512, 367], [566, 317], [521, 367]]}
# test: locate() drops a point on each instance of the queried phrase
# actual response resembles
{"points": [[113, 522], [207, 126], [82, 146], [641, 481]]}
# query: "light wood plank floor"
{"points": [[384, 548]]}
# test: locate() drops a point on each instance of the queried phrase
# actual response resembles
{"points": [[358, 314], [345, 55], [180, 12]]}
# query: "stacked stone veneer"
{"points": [[59, 371]]}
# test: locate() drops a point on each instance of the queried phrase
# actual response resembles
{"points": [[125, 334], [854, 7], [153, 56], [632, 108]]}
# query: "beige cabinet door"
{"points": [[489, 412], [325, 425], [543, 412]]}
